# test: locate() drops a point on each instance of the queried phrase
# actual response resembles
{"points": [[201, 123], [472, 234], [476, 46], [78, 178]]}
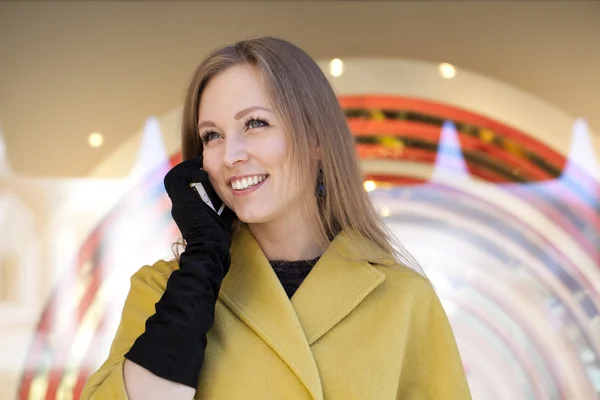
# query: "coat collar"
{"points": [[334, 287]]}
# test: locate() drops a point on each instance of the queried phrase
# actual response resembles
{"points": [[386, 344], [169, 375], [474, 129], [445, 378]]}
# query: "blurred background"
{"points": [[477, 125]]}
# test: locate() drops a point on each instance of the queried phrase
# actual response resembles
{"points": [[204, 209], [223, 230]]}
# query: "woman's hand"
{"points": [[189, 211]]}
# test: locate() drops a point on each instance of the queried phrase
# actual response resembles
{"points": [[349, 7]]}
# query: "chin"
{"points": [[251, 217]]}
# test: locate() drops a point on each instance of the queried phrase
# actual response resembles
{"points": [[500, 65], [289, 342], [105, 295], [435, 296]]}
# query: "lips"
{"points": [[245, 192]]}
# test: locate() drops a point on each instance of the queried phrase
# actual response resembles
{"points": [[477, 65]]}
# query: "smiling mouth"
{"points": [[243, 184]]}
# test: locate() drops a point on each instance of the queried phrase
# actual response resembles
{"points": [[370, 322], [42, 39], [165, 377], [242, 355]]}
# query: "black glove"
{"points": [[187, 204], [174, 341]]}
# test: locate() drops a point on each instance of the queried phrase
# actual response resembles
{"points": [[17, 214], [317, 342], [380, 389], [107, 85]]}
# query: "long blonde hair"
{"points": [[306, 104]]}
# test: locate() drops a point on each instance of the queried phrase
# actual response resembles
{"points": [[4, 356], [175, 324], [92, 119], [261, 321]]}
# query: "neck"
{"points": [[287, 241]]}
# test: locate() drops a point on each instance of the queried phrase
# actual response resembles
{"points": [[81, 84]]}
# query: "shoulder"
{"points": [[405, 282], [155, 275]]}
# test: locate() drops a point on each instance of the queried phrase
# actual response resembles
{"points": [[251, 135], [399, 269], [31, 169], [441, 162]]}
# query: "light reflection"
{"points": [[370, 186], [336, 67]]}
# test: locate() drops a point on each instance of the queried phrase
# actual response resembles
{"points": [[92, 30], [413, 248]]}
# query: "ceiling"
{"points": [[71, 68]]}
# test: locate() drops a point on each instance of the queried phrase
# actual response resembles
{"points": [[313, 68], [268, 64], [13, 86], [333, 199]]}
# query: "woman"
{"points": [[304, 295]]}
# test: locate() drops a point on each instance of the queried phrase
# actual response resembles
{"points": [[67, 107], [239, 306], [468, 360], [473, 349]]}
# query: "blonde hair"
{"points": [[308, 108]]}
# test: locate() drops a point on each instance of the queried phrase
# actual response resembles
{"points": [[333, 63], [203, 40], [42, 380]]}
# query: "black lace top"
{"points": [[292, 273]]}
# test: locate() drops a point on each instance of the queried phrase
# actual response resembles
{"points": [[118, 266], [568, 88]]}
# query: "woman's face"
{"points": [[246, 147]]}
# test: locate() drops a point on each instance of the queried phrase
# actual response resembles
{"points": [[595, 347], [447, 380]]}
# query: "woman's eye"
{"points": [[208, 136], [256, 123]]}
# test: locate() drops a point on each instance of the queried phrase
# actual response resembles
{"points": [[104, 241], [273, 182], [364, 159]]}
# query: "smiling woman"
{"points": [[298, 290]]}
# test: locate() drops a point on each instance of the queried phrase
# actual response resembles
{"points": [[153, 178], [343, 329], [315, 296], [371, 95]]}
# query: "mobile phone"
{"points": [[209, 196]]}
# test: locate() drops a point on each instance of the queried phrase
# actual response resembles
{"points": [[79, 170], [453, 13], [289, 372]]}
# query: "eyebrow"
{"points": [[238, 115]]}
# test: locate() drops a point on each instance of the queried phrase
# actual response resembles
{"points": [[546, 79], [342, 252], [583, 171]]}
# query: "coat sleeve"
{"points": [[432, 368], [147, 287]]}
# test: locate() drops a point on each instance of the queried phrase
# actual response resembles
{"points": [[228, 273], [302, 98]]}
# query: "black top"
{"points": [[292, 273]]}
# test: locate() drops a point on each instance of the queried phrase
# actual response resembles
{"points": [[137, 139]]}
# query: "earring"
{"points": [[320, 185]]}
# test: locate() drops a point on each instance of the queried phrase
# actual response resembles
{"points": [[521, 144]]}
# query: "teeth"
{"points": [[248, 182]]}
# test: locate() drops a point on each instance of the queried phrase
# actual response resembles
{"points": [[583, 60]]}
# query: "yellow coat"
{"points": [[353, 330]]}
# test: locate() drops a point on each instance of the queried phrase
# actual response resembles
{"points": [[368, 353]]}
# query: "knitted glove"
{"points": [[174, 341]]}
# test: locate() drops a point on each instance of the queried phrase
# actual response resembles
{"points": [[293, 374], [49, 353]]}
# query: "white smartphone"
{"points": [[206, 198]]}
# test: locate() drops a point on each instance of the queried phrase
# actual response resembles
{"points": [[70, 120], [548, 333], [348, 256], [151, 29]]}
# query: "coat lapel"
{"points": [[337, 284], [331, 291]]}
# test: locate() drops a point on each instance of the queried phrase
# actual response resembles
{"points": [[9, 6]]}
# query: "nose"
{"points": [[235, 150]]}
